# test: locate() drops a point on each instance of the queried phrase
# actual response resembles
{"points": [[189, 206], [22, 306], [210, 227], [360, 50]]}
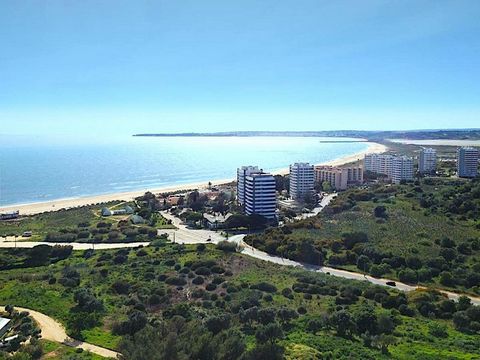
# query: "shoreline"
{"points": [[54, 205]]}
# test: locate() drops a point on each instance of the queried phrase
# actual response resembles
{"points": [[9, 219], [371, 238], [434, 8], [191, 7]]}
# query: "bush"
{"points": [[121, 287], [227, 246], [203, 271], [408, 276], [263, 286], [198, 280], [175, 281], [211, 287], [287, 292]]}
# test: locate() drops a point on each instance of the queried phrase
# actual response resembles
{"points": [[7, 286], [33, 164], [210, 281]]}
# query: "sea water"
{"points": [[37, 171]]}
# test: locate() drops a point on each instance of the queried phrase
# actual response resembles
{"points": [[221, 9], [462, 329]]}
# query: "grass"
{"points": [[41, 224], [56, 351], [20, 287]]}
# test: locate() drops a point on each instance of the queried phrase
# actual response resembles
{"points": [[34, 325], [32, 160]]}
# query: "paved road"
{"points": [[189, 236], [184, 235], [10, 243], [54, 331], [323, 203]]}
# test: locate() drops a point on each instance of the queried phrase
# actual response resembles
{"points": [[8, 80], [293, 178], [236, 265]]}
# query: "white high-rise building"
{"points": [[467, 162], [302, 180], [402, 169], [427, 162], [379, 164], [243, 172], [260, 195], [396, 168]]}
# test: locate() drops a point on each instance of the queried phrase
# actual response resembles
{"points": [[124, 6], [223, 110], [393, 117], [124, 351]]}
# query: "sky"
{"points": [[85, 68]]}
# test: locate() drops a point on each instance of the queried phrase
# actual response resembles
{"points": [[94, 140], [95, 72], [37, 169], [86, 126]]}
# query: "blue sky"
{"points": [[87, 67]]}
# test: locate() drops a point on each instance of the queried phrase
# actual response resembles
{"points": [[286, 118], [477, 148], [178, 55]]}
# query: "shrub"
{"points": [[263, 286], [203, 271], [121, 287], [227, 246], [198, 280], [211, 287], [287, 292], [175, 281]]}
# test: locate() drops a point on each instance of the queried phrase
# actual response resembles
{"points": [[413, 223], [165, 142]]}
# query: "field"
{"points": [[426, 232], [86, 224], [227, 298]]}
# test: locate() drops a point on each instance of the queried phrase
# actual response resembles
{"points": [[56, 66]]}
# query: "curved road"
{"points": [[184, 235], [54, 331]]}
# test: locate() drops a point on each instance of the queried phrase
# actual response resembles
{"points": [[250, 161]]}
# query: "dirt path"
{"points": [[54, 331]]}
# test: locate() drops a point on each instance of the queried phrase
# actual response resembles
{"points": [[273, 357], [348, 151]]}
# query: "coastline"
{"points": [[35, 208]]}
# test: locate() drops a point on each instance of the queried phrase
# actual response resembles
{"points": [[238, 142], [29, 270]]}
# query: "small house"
{"points": [[4, 325], [106, 212], [10, 215], [137, 219], [216, 220]]}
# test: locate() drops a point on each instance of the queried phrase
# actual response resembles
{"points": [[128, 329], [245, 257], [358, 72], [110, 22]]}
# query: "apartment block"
{"points": [[302, 180], [260, 195], [427, 161], [467, 162]]}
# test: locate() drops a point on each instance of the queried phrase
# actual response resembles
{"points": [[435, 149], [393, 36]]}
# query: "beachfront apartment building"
{"points": [[427, 161], [396, 168], [339, 178], [260, 195], [467, 162], [242, 173], [379, 164], [302, 180], [402, 169]]}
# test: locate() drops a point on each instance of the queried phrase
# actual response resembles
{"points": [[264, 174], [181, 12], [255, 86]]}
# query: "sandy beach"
{"points": [[35, 208]]}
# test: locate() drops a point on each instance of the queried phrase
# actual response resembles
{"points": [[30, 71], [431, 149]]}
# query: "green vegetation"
{"points": [[85, 224], [55, 351], [426, 232], [41, 224], [209, 303]]}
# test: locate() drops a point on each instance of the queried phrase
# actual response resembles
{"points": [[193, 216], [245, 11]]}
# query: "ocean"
{"points": [[41, 171]]}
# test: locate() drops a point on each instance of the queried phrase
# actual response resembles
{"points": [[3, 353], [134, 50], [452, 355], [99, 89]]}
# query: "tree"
{"points": [[386, 324], [39, 255], [464, 303], [413, 262], [408, 276], [366, 319], [448, 254], [380, 212], [363, 263], [446, 278], [86, 301], [215, 324], [343, 323], [461, 321], [286, 315], [269, 333]]}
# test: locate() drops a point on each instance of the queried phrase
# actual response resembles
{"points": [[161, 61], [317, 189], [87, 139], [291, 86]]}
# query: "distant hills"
{"points": [[456, 134]]}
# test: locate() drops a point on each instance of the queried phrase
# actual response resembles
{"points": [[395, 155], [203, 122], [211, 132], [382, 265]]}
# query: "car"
{"points": [[391, 283], [27, 234]]}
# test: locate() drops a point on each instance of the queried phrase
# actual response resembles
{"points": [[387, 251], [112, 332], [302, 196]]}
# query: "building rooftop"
{"points": [[216, 217], [4, 322]]}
